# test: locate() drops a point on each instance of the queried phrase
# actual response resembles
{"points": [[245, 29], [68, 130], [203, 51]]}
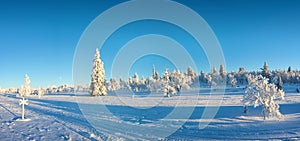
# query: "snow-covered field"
{"points": [[121, 117]]}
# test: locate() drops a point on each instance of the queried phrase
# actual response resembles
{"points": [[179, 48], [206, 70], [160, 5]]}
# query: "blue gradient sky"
{"points": [[39, 37]]}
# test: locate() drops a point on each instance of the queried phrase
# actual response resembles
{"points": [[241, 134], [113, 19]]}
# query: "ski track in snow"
{"points": [[58, 117]]}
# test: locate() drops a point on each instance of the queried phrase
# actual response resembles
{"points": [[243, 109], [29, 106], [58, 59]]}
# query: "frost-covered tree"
{"points": [[223, 74], [241, 69], [41, 92], [143, 81], [214, 70], [123, 84], [136, 79], [155, 74], [179, 80], [209, 80], [231, 80], [130, 80], [135, 85], [25, 88], [97, 87], [191, 74], [168, 90], [155, 85], [265, 71], [64, 89], [113, 85], [215, 77], [241, 76], [222, 71], [202, 77], [261, 92], [290, 69], [279, 83]]}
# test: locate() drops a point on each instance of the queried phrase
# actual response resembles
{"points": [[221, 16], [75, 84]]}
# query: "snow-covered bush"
{"points": [[97, 87], [25, 88], [261, 92]]}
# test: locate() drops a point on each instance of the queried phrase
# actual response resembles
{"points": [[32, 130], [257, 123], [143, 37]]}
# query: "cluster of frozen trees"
{"points": [[25, 90], [178, 80], [8, 90], [60, 89], [169, 83]]}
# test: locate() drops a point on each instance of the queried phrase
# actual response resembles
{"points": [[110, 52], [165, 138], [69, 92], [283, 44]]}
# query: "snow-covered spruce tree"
{"points": [[168, 90], [261, 92], [215, 77], [209, 80], [155, 74], [222, 71], [279, 83], [97, 87], [241, 76], [143, 85], [136, 79], [231, 80], [202, 77], [290, 69], [214, 71], [265, 71], [135, 86], [130, 80], [143, 81], [191, 74], [223, 74], [25, 88]]}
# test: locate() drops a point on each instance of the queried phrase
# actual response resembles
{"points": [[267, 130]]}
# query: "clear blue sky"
{"points": [[39, 37]]}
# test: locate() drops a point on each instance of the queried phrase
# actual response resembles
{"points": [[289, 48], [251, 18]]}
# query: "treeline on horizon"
{"points": [[179, 80]]}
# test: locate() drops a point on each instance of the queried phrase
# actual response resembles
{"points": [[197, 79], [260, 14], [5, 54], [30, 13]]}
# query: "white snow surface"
{"points": [[61, 117]]}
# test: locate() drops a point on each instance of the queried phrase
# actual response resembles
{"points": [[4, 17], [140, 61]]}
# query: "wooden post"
{"points": [[23, 102]]}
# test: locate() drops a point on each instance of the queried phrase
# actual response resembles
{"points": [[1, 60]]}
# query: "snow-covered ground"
{"points": [[119, 116]]}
